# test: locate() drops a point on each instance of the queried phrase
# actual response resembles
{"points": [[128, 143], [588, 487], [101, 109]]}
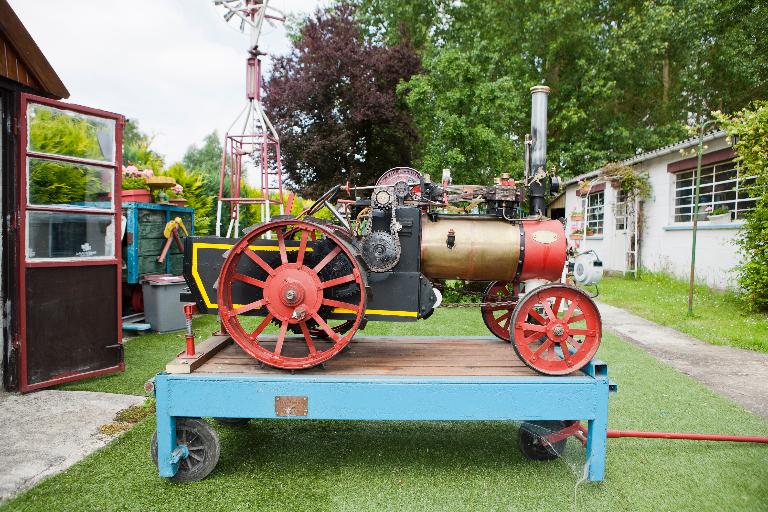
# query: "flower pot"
{"points": [[723, 218], [577, 216], [136, 196], [178, 201], [576, 236]]}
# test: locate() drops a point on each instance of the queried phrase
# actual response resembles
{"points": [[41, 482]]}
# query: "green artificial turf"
{"points": [[719, 317], [314, 465]]}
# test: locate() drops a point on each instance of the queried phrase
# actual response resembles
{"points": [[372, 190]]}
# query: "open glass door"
{"points": [[69, 324]]}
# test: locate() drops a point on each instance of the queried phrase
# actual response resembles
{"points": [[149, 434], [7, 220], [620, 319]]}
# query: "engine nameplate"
{"points": [[544, 237]]}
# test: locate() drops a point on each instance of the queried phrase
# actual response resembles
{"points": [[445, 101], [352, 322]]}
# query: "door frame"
{"points": [[21, 228]]}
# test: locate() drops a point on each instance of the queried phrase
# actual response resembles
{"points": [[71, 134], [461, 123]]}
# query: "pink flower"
{"points": [[177, 189], [148, 173], [131, 169]]}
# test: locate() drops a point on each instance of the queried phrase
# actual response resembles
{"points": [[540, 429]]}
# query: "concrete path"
{"points": [[741, 375], [45, 432]]}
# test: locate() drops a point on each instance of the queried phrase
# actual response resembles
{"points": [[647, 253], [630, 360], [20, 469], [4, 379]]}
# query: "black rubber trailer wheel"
{"points": [[203, 445], [534, 447], [233, 422]]}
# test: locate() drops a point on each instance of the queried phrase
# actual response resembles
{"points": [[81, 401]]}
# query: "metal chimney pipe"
{"points": [[537, 185]]}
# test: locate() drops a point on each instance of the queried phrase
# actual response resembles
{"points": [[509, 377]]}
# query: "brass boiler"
{"points": [[492, 249]]}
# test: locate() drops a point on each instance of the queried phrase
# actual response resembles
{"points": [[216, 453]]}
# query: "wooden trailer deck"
{"points": [[375, 356], [380, 378]]}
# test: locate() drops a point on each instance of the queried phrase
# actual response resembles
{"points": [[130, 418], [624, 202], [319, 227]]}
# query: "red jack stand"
{"points": [[189, 353]]}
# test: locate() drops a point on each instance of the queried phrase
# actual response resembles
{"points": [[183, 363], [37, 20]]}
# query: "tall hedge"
{"points": [[749, 128]]}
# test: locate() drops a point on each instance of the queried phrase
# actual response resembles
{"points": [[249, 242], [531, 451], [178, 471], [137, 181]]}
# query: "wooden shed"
{"points": [[60, 266]]}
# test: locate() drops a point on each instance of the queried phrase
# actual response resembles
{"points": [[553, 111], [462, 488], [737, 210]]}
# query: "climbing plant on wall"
{"points": [[750, 129]]}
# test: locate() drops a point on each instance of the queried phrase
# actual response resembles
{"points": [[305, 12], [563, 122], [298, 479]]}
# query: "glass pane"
{"points": [[726, 173], [69, 235], [67, 133], [67, 184]]}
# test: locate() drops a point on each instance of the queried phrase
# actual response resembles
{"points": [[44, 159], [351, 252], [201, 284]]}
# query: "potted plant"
{"points": [[177, 199], [135, 185], [577, 234], [590, 232], [718, 215], [577, 215]]}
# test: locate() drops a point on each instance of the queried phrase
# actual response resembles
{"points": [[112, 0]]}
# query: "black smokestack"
{"points": [[537, 183]]}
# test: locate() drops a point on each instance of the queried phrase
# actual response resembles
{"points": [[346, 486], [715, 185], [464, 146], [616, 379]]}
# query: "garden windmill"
{"points": [[257, 141]]}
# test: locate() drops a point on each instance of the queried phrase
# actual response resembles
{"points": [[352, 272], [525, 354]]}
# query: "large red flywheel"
{"points": [[298, 278], [556, 329]]}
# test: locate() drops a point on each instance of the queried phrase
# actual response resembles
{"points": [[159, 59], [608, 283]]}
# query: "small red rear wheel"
{"points": [[556, 329], [498, 318]]}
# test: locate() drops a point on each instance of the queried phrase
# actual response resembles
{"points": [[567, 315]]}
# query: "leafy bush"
{"points": [[750, 126], [197, 198], [61, 134]]}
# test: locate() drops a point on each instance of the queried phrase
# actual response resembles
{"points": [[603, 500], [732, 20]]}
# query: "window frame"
{"points": [[740, 190], [620, 211], [115, 166], [589, 210]]}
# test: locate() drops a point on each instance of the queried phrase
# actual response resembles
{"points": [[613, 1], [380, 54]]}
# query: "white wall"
{"points": [[610, 246], [665, 245]]}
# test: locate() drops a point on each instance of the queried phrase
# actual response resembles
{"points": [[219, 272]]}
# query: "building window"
{"points": [[620, 210], [721, 186], [594, 213]]}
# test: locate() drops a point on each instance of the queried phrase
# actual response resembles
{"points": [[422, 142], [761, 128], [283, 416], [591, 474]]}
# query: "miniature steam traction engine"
{"points": [[293, 292]]}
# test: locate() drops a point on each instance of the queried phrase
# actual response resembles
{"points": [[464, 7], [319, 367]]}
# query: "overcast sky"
{"points": [[173, 65]]}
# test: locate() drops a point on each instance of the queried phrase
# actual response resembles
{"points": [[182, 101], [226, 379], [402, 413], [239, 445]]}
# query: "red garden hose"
{"points": [[684, 435], [578, 430]]}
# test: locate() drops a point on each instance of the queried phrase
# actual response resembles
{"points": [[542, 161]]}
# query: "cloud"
{"points": [[173, 65]]}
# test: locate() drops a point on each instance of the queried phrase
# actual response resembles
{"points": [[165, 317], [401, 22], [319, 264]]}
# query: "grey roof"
{"points": [[642, 157]]}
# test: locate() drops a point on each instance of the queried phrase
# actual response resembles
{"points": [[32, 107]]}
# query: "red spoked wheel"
{"points": [[556, 329], [295, 282], [499, 318]]}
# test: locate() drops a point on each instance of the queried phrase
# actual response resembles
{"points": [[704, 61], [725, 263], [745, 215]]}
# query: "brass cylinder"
{"points": [[483, 249]]}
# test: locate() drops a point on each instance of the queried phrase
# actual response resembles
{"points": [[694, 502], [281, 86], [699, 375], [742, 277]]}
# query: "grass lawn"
{"points": [[313, 465], [719, 318]]}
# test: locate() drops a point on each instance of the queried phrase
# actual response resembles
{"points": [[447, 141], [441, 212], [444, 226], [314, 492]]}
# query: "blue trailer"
{"points": [[399, 378]]}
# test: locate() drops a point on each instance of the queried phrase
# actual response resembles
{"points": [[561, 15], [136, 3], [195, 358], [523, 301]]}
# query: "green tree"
{"points": [[206, 159], [53, 182], [626, 76], [195, 194], [750, 128], [137, 148]]}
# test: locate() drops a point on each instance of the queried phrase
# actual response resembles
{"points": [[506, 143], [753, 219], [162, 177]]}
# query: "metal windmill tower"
{"points": [[257, 142]]}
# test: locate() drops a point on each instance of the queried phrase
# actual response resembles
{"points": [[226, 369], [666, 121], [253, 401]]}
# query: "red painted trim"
{"points": [[69, 209], [69, 377], [595, 188], [721, 155], [73, 263], [23, 264], [21, 268], [72, 106], [71, 159]]}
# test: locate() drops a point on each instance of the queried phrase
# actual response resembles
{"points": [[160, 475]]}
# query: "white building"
{"points": [[663, 236]]}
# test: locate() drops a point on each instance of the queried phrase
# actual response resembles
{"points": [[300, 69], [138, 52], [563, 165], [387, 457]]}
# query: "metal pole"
{"points": [[696, 215]]}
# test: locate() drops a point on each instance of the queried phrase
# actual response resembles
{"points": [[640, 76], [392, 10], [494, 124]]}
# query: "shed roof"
{"points": [[642, 157], [21, 59]]}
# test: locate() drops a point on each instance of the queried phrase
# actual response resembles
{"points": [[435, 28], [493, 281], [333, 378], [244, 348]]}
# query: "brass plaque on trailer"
{"points": [[291, 405]]}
